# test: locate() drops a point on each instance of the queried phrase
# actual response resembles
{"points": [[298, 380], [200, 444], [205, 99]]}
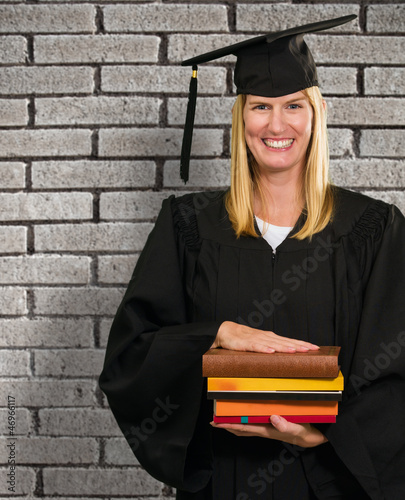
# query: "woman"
{"points": [[208, 277]]}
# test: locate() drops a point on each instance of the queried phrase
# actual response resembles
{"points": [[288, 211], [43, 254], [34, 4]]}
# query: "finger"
{"points": [[282, 425], [279, 423]]}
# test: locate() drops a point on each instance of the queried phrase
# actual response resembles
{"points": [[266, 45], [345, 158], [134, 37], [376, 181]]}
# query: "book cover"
{"points": [[226, 363], [278, 395], [298, 419], [275, 384], [230, 408]]}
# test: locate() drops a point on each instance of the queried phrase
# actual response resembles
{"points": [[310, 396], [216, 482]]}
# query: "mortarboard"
{"points": [[270, 65]]}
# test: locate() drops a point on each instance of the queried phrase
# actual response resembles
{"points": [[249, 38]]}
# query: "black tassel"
{"points": [[188, 128]]}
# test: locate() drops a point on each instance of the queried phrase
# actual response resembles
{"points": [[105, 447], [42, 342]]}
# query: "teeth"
{"points": [[278, 144]]}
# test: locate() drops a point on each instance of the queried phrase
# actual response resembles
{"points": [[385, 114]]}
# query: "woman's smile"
{"points": [[280, 144]]}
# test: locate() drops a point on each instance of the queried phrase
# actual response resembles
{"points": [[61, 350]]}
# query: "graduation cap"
{"points": [[269, 65]]}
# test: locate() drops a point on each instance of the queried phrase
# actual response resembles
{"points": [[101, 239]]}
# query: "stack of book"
{"points": [[249, 387]]}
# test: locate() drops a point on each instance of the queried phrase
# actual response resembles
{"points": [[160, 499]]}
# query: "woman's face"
{"points": [[278, 130]]}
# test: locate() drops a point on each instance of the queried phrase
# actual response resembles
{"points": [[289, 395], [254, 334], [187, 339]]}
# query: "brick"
{"points": [[120, 237], [34, 393], [13, 49], [157, 142], [161, 79], [118, 452], [91, 481], [98, 110], [203, 173], [256, 17], [96, 49], [385, 18], [68, 363], [340, 142], [46, 206], [368, 173], [385, 143], [131, 205], [384, 81], [46, 80], [27, 143], [105, 326], [46, 332], [337, 80], [160, 17], [78, 422], [116, 269], [394, 197], [25, 484], [77, 301], [41, 19], [13, 301], [14, 112], [14, 363], [366, 111], [12, 175], [209, 111], [182, 47], [13, 239], [22, 422], [357, 49], [93, 174], [40, 450], [44, 269]]}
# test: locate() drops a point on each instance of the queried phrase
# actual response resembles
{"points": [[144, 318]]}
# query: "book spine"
{"points": [[233, 366], [298, 419], [262, 408], [275, 384], [277, 396]]}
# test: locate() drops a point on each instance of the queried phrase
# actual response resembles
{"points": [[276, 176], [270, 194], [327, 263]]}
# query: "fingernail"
{"points": [[292, 349], [275, 419]]}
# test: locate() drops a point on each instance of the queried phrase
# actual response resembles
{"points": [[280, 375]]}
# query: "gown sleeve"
{"points": [[152, 371], [369, 436]]}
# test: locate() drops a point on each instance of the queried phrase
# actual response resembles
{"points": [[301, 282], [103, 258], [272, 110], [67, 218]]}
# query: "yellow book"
{"points": [[275, 384]]}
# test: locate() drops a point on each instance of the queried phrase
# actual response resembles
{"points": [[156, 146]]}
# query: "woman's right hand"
{"points": [[238, 337]]}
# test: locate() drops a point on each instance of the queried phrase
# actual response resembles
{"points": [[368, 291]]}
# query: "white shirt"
{"points": [[274, 235]]}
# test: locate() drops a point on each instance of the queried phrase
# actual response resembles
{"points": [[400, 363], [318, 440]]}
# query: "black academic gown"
{"points": [[346, 287]]}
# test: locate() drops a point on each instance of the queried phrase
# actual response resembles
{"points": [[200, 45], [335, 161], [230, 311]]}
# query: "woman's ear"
{"points": [[324, 104]]}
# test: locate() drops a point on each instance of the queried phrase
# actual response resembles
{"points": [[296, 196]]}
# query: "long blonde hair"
{"points": [[245, 180]]}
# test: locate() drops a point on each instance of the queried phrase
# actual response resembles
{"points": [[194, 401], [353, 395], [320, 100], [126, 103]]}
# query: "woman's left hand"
{"points": [[304, 435]]}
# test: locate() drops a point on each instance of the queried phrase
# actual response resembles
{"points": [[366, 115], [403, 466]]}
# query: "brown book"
{"points": [[322, 363]]}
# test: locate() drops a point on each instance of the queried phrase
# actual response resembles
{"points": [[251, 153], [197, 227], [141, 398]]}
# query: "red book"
{"points": [[298, 419]]}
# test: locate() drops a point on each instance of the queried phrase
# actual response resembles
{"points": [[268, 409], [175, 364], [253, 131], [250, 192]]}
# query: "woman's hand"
{"points": [[244, 338], [304, 435]]}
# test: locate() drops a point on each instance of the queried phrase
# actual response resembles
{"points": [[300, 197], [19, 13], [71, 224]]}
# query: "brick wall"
{"points": [[92, 105]]}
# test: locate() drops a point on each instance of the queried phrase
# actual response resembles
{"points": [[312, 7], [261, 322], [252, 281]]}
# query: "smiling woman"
{"points": [[208, 278], [308, 187]]}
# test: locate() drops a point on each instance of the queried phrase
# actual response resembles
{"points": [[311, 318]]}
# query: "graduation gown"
{"points": [[345, 287]]}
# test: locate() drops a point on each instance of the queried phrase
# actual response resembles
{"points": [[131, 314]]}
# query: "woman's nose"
{"points": [[276, 122]]}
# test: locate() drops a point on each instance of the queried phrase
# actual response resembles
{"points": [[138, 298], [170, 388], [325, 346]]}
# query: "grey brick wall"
{"points": [[92, 103]]}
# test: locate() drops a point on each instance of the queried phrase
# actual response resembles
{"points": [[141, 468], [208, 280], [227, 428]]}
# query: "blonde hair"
{"points": [[245, 180]]}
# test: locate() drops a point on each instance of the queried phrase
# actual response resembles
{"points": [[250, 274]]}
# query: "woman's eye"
{"points": [[261, 106], [294, 106]]}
